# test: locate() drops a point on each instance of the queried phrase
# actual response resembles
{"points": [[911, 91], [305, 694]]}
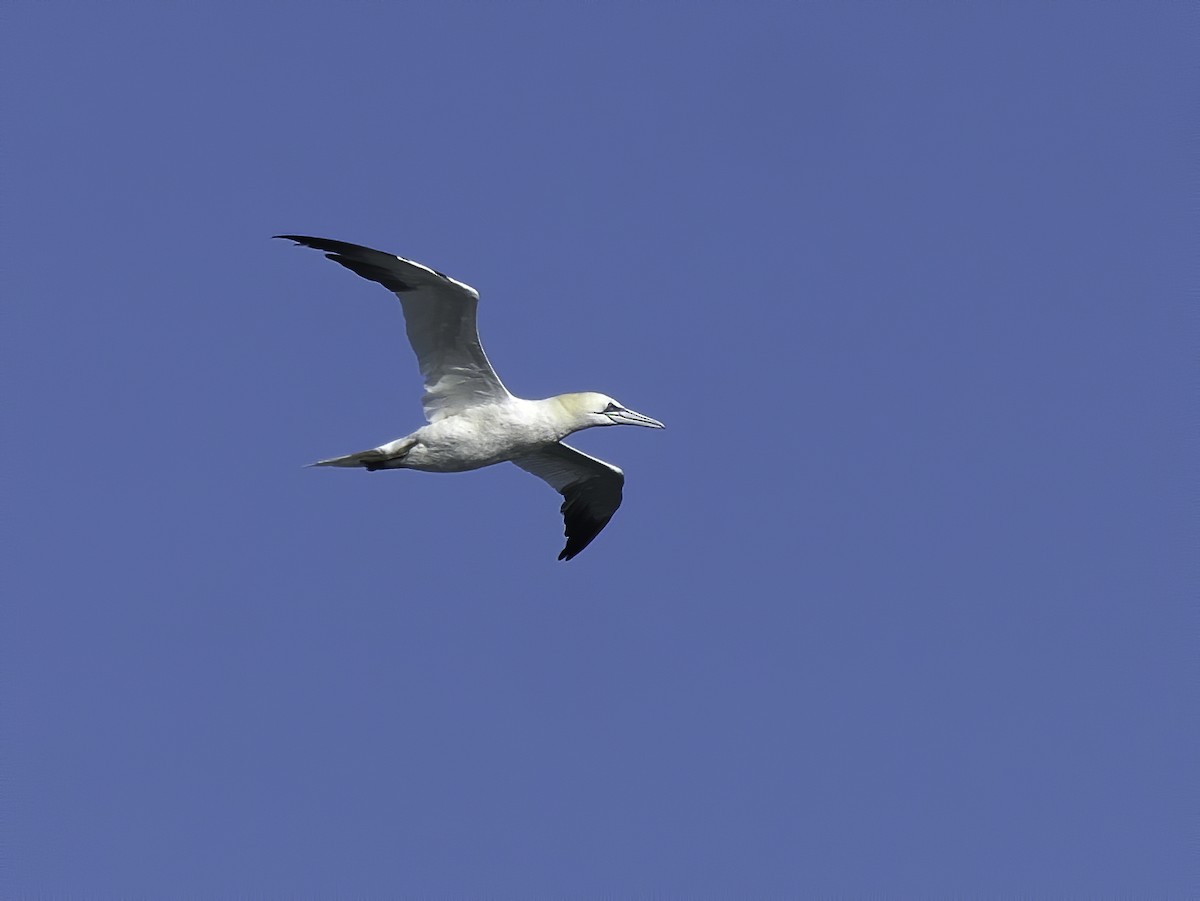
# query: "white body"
{"points": [[484, 435]]}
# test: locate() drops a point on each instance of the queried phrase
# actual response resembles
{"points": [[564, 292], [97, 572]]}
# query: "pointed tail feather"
{"points": [[389, 456]]}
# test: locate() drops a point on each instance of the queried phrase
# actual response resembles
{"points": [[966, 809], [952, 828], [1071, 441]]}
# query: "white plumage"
{"points": [[473, 419]]}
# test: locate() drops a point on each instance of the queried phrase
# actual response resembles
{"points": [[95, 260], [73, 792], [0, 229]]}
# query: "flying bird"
{"points": [[473, 420]]}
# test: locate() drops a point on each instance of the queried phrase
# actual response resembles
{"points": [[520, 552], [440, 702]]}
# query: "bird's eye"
{"points": [[611, 408]]}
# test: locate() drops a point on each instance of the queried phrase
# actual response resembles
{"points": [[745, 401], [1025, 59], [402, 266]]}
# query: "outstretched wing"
{"points": [[591, 491], [439, 314]]}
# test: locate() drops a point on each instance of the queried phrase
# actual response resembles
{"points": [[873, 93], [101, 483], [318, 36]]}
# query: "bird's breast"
{"points": [[478, 437]]}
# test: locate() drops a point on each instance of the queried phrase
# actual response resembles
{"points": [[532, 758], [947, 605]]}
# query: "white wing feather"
{"points": [[439, 316]]}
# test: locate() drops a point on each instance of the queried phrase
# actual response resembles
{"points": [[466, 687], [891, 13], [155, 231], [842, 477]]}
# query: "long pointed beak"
{"points": [[629, 417]]}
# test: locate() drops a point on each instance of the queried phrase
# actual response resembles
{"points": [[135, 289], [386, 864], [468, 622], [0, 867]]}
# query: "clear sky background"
{"points": [[900, 603]]}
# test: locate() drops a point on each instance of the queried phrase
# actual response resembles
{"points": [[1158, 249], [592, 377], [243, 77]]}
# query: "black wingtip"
{"points": [[374, 265]]}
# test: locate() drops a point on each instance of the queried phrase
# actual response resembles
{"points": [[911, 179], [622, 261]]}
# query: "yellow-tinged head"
{"points": [[590, 408]]}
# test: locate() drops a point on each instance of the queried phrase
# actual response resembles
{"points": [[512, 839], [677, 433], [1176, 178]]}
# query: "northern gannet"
{"points": [[473, 420]]}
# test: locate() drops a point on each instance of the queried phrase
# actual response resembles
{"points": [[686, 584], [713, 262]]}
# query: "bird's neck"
{"points": [[561, 415]]}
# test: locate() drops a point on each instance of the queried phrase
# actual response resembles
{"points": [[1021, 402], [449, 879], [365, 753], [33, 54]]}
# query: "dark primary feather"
{"points": [[583, 517], [591, 490], [370, 264]]}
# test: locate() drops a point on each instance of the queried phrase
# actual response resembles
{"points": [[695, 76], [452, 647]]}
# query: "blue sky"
{"points": [[900, 603]]}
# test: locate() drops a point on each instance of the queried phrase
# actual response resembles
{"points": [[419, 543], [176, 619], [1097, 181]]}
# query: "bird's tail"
{"points": [[389, 456]]}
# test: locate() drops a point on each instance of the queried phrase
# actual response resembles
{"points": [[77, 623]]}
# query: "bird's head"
{"points": [[588, 408]]}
